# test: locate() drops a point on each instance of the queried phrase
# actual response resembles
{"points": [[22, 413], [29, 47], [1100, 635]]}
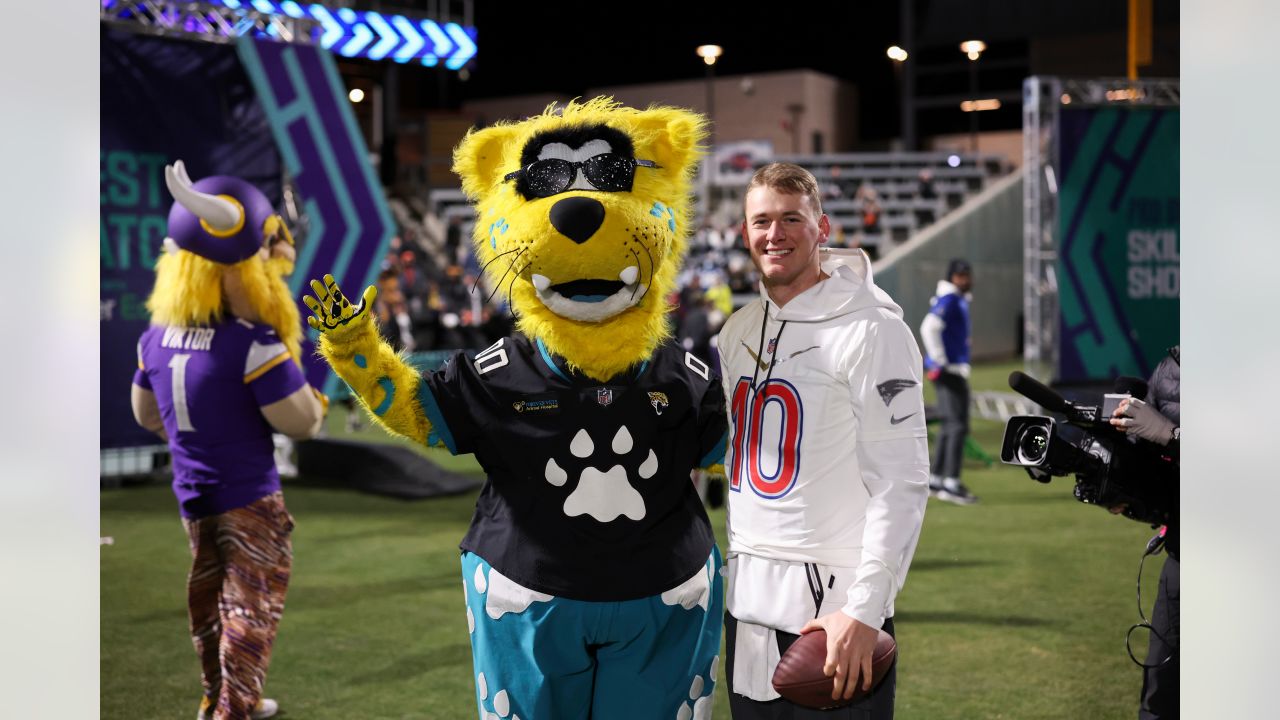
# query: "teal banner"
{"points": [[1118, 263]]}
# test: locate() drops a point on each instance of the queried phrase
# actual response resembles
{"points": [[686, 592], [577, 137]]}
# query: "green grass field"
{"points": [[1016, 607]]}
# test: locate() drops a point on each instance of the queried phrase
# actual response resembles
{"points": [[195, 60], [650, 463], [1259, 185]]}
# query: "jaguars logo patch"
{"points": [[659, 401]]}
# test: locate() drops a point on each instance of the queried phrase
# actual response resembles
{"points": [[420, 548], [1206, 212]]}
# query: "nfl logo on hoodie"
{"points": [[604, 396]]}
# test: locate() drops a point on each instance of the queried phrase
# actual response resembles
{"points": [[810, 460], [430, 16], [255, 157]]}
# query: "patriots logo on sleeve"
{"points": [[889, 389]]}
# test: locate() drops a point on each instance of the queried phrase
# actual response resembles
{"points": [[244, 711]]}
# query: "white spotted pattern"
{"points": [[694, 591], [702, 708], [649, 466], [684, 713], [582, 447], [482, 686], [695, 688], [555, 474], [479, 580], [622, 442], [501, 704], [506, 596], [471, 621], [715, 669]]}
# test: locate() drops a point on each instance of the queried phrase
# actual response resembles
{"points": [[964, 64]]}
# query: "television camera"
{"points": [[1114, 471]]}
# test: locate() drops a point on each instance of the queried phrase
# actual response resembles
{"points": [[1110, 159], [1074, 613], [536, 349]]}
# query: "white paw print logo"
{"points": [[603, 495]]}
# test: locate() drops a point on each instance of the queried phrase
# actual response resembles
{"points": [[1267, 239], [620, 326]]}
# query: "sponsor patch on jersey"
{"points": [[537, 404], [659, 401], [889, 389]]}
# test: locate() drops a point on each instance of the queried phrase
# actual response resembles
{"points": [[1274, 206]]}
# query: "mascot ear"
{"points": [[479, 159], [671, 136]]}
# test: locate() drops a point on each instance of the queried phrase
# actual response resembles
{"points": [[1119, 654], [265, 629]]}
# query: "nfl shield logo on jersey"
{"points": [[604, 396], [773, 345]]}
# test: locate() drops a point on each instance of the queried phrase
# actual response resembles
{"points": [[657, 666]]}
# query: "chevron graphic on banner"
{"points": [[315, 131], [379, 36]]}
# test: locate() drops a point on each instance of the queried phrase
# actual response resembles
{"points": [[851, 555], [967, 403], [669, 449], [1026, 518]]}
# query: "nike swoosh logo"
{"points": [[753, 355], [765, 366], [896, 420]]}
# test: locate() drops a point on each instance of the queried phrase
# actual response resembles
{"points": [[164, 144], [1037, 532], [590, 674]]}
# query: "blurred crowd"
{"points": [[434, 300], [423, 306]]}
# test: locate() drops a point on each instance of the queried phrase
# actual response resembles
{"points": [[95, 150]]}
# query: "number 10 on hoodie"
{"points": [[751, 444]]}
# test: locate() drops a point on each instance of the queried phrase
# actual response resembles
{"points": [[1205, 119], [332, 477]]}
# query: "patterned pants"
{"points": [[235, 596]]}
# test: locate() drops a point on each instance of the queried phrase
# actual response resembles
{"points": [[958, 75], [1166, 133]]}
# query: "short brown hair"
{"points": [[788, 178]]}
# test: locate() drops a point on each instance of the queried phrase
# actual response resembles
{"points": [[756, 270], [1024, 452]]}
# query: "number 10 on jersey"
{"points": [[758, 447]]}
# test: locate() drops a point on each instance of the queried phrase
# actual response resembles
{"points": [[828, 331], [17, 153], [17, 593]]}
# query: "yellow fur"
{"points": [[264, 283], [637, 229], [631, 234], [405, 415], [188, 291]]}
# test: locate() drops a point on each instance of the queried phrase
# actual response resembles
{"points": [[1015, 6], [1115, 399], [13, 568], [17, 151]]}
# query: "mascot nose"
{"points": [[577, 218]]}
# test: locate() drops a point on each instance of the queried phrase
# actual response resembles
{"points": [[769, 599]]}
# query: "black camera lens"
{"points": [[1033, 444]]}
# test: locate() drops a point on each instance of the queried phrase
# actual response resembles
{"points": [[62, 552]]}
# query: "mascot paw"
{"points": [[333, 315]]}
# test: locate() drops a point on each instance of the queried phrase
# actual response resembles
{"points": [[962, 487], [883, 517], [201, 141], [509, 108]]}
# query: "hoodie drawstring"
{"points": [[764, 323]]}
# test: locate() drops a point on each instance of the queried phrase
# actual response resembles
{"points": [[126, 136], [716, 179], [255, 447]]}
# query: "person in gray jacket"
{"points": [[1158, 419]]}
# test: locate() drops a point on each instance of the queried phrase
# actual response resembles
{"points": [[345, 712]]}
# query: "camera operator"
{"points": [[1157, 420]]}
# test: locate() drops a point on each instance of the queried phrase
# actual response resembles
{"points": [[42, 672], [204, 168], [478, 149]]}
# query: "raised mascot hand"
{"points": [[333, 314]]}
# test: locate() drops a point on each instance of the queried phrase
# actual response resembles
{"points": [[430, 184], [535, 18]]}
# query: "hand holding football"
{"points": [[800, 679]]}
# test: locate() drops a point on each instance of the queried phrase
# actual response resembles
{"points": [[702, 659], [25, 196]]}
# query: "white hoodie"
{"points": [[826, 513]]}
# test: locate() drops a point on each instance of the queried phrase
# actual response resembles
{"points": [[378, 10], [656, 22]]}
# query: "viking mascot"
{"points": [[218, 372], [591, 572]]}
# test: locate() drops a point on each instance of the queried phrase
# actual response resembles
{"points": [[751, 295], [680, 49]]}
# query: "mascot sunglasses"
{"points": [[607, 172]]}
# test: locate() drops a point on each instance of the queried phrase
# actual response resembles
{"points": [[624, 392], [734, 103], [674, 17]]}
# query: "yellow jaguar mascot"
{"points": [[591, 572]]}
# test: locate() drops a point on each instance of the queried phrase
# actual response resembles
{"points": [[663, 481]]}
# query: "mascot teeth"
{"points": [[591, 300]]}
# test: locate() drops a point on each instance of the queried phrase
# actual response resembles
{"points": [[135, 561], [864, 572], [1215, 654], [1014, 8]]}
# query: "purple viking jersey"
{"points": [[210, 383]]}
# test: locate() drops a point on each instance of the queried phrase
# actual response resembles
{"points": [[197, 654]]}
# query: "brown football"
{"points": [[799, 677]]}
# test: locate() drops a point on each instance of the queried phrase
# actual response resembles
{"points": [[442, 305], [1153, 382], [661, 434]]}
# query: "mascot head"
{"points": [[226, 250], [582, 218]]}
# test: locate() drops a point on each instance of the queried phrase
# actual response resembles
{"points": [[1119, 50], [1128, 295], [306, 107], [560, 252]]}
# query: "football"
{"points": [[799, 677]]}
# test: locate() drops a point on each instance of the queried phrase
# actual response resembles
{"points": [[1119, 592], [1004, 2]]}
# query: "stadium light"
{"points": [[973, 48], [709, 53], [980, 105], [356, 95], [896, 54]]}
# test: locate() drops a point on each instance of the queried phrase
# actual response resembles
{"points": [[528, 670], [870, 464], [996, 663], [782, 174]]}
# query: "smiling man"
{"points": [[828, 458]]}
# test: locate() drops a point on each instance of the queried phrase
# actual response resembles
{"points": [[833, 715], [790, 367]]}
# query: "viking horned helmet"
{"points": [[220, 218]]}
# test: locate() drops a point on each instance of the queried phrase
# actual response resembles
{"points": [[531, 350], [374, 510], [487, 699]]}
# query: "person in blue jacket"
{"points": [[945, 333]]}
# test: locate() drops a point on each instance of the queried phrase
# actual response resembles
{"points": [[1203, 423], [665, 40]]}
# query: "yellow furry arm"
{"points": [[384, 383]]}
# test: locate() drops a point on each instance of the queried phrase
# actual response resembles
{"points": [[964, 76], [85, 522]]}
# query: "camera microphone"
{"points": [[1032, 389]]}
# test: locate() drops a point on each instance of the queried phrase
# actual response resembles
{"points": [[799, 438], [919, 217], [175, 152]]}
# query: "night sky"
{"points": [[568, 47]]}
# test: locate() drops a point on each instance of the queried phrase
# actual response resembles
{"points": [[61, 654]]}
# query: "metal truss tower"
{"points": [[1043, 99], [207, 22]]}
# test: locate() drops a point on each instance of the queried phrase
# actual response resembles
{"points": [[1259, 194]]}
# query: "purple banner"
{"points": [[161, 100]]}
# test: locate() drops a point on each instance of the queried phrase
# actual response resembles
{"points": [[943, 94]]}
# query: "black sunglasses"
{"points": [[607, 172]]}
